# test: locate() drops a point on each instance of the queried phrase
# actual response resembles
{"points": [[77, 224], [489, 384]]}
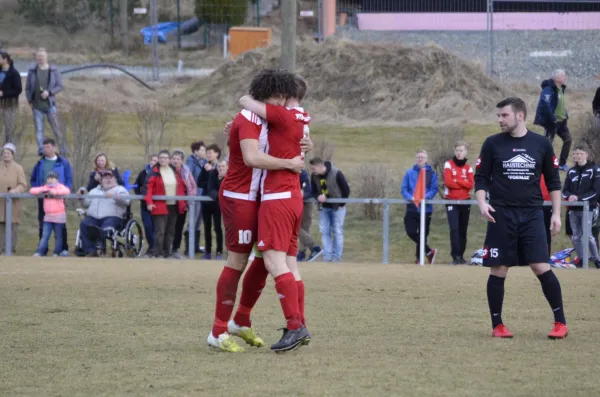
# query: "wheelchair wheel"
{"points": [[78, 244], [134, 239]]}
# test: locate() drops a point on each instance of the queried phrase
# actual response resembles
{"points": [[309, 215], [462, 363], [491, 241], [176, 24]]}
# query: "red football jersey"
{"points": [[241, 181], [286, 129]]}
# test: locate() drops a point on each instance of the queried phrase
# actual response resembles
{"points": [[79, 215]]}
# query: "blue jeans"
{"points": [[47, 229], [148, 228], [89, 246], [332, 221], [38, 122]]}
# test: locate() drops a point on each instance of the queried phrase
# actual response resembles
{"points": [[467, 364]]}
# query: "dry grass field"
{"points": [[138, 328]]}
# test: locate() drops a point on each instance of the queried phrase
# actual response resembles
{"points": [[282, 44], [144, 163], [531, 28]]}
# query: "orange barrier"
{"points": [[243, 39]]}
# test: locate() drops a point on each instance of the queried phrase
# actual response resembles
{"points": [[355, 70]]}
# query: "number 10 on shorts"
{"points": [[490, 252], [245, 236]]}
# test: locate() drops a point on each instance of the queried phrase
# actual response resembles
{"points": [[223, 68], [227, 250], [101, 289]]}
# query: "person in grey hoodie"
{"points": [[103, 213], [43, 83]]}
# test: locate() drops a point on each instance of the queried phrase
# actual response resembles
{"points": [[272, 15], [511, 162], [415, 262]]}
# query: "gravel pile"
{"points": [[512, 51]]}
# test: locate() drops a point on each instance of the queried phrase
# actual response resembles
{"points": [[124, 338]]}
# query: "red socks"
{"points": [[287, 291], [226, 294], [252, 286], [300, 286]]}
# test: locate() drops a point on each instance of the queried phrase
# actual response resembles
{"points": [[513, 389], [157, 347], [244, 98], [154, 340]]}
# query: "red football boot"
{"points": [[560, 331], [501, 332]]}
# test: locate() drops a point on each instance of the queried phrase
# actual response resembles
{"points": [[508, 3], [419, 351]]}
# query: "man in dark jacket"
{"points": [[140, 189], [213, 210], [582, 184], [552, 114], [10, 89], [412, 218], [51, 162], [327, 182], [213, 153], [43, 83], [306, 240]]}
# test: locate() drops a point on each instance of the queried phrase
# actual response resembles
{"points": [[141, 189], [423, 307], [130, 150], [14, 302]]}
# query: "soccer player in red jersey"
{"points": [[280, 215], [238, 197]]}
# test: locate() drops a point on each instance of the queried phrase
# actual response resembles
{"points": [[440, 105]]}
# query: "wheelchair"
{"points": [[128, 241]]}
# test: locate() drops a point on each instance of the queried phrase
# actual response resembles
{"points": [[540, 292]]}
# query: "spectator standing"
{"points": [[164, 181], [582, 184], [12, 180], [103, 213], [214, 184], [55, 215], [195, 163], [459, 179], [141, 183], [190, 187], [596, 107], [10, 89], [51, 162], [44, 82], [552, 113], [306, 240], [213, 153], [412, 218], [327, 182], [101, 164]]}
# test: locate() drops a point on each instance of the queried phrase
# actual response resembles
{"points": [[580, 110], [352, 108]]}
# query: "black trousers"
{"points": [[547, 216], [179, 231], [211, 213], [412, 223], [562, 130], [458, 220], [41, 214]]}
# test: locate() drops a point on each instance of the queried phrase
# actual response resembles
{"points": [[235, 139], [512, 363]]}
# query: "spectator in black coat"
{"points": [[10, 89], [212, 212], [140, 189]]}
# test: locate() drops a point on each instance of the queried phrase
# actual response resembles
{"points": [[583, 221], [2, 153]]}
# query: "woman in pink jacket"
{"points": [[55, 215]]}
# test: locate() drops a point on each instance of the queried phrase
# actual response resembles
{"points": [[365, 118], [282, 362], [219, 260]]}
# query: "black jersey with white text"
{"points": [[509, 169]]}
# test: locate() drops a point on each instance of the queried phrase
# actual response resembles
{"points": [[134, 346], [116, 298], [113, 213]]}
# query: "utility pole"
{"points": [[288, 36], [124, 28], [154, 24]]}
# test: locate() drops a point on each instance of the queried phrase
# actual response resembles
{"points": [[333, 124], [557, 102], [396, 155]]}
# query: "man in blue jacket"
{"points": [[412, 218], [51, 162], [552, 114]]}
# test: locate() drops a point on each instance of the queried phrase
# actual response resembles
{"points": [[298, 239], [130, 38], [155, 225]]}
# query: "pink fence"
{"points": [[477, 21]]}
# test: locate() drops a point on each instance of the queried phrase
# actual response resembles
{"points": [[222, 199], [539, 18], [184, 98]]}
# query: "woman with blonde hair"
{"points": [[101, 164]]}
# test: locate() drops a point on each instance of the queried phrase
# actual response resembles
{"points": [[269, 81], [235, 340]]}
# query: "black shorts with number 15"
{"points": [[518, 238]]}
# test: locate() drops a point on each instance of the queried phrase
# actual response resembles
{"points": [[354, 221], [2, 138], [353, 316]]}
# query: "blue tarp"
{"points": [[167, 28]]}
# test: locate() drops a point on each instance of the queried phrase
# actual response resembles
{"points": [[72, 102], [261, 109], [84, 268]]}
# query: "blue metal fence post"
{"points": [[586, 233], [386, 231], [8, 229], [191, 228]]}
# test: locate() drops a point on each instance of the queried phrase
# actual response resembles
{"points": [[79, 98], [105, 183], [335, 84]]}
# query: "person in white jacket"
{"points": [[101, 212]]}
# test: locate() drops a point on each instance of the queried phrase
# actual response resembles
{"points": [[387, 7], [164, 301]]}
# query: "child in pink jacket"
{"points": [[55, 215]]}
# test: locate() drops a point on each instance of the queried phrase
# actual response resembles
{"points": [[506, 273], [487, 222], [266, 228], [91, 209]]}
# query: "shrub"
{"points": [[587, 130], [151, 126], [372, 180]]}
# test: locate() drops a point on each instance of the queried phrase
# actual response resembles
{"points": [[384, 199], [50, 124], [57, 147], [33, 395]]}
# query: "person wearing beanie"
{"points": [[12, 180]]}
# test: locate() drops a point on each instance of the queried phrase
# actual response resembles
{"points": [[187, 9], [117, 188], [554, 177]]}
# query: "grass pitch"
{"points": [[138, 328]]}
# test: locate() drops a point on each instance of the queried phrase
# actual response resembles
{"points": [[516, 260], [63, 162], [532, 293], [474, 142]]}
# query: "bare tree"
{"points": [[587, 131], [324, 149], [150, 130], [221, 140], [16, 122], [86, 132], [372, 180], [442, 149]]}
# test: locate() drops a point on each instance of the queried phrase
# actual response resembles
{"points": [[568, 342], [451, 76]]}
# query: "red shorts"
{"points": [[279, 225], [240, 218]]}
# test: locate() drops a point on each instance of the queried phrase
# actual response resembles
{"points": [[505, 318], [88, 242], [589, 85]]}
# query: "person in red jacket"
{"points": [[164, 181], [458, 182]]}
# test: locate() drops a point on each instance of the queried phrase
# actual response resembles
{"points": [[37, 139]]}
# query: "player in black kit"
{"points": [[508, 170]]}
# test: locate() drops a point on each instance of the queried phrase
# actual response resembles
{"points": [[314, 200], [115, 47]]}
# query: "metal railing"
{"points": [[385, 202]]}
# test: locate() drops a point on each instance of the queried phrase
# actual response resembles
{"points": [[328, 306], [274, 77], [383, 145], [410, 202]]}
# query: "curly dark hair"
{"points": [[273, 82]]}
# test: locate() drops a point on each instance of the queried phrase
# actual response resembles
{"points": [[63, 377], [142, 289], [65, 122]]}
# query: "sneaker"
{"points": [[563, 167], [224, 343], [55, 255], [290, 340], [307, 340], [200, 250], [314, 253], [219, 257], [207, 256], [560, 331], [64, 253], [177, 255], [431, 256], [301, 257], [597, 263], [455, 260], [37, 254], [502, 332], [462, 260], [246, 333]]}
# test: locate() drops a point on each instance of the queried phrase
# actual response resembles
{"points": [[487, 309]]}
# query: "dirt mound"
{"points": [[363, 81]]}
